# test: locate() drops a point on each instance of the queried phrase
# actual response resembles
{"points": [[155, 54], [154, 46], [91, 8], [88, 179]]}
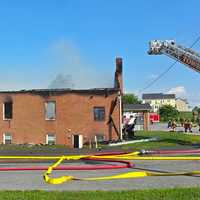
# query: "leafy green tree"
{"points": [[196, 113], [130, 99], [168, 112]]}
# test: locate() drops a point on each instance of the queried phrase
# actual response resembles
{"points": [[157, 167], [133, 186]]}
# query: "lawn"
{"points": [[166, 140], [173, 140], [155, 194]]}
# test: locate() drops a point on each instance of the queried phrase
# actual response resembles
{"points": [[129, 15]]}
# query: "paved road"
{"points": [[163, 127], [32, 180]]}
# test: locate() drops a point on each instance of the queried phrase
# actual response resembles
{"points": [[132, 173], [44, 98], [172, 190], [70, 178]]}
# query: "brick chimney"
{"points": [[118, 75]]}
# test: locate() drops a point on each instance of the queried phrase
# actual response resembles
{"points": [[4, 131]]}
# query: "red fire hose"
{"points": [[124, 164]]}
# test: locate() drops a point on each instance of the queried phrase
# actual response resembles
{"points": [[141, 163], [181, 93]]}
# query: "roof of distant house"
{"points": [[185, 100], [158, 96], [137, 107]]}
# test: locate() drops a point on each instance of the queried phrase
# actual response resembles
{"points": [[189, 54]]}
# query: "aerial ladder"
{"points": [[181, 54]]}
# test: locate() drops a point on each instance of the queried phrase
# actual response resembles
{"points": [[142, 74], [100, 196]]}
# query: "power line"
{"points": [[168, 69]]}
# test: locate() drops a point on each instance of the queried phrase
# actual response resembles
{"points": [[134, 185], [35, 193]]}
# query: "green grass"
{"points": [[166, 140], [155, 194]]}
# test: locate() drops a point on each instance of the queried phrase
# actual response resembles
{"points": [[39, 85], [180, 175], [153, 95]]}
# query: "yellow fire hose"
{"points": [[126, 156], [129, 175]]}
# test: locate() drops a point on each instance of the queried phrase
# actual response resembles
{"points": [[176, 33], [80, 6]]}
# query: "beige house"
{"points": [[182, 105], [157, 100]]}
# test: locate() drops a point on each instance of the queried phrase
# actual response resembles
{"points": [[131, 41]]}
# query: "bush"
{"points": [[168, 112]]}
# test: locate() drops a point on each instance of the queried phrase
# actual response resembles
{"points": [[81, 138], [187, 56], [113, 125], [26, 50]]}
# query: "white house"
{"points": [[182, 105], [157, 100]]}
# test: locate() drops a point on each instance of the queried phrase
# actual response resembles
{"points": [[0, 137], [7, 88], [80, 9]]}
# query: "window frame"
{"points": [[4, 118], [4, 138], [45, 110], [103, 139], [47, 138], [95, 116]]}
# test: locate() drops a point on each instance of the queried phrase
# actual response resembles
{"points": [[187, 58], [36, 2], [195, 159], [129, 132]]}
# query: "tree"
{"points": [[130, 99], [196, 113], [168, 112]]}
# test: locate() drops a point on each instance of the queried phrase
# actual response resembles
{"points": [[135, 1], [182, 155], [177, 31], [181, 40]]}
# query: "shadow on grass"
{"points": [[181, 142], [138, 137], [171, 141], [177, 141]]}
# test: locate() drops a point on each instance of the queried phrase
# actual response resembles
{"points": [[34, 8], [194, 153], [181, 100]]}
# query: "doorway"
{"points": [[78, 141]]}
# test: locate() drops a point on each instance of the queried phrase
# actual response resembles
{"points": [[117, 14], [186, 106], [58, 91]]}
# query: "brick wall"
{"points": [[74, 115]]}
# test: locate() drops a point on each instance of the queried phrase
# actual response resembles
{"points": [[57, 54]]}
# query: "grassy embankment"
{"points": [[166, 140], [155, 194]]}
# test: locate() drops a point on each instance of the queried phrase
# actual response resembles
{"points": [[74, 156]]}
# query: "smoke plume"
{"points": [[62, 81], [72, 71]]}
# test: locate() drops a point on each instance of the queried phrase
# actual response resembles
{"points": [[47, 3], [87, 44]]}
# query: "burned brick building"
{"points": [[62, 116]]}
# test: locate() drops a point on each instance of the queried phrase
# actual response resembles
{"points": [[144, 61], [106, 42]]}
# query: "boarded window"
{"points": [[99, 113], [50, 139], [7, 138], [8, 110], [50, 110]]}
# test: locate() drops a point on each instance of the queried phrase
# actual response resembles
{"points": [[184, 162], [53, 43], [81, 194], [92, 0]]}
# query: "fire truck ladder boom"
{"points": [[181, 54]]}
